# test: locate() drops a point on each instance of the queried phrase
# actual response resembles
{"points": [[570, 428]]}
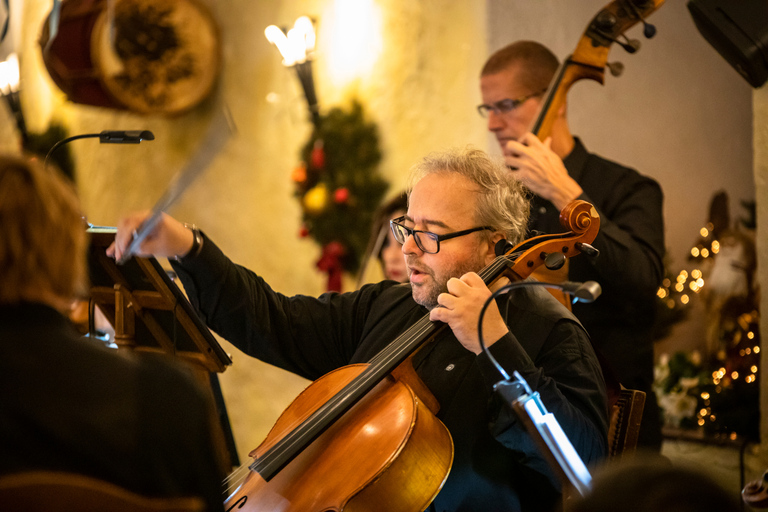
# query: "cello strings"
{"points": [[383, 360], [328, 410], [234, 480]]}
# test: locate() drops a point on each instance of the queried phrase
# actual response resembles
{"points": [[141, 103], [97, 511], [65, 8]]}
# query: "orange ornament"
{"points": [[299, 174]]}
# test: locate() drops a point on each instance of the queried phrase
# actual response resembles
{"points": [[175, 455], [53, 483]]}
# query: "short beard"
{"points": [[440, 283]]}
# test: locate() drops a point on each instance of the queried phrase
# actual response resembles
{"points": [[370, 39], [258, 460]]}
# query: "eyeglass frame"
{"points": [[483, 109], [434, 236]]}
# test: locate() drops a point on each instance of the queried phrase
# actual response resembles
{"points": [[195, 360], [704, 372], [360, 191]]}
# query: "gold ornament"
{"points": [[316, 199]]}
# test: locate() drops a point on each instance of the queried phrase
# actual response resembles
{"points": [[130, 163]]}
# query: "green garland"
{"points": [[339, 187]]}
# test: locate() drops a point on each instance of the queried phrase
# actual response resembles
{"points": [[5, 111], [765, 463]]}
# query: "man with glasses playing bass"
{"points": [[631, 238], [461, 204]]}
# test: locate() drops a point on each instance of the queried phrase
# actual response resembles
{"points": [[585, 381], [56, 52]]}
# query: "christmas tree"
{"points": [[339, 187]]}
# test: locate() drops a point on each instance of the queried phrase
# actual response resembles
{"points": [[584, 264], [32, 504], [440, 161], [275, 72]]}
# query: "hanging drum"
{"points": [[148, 56]]}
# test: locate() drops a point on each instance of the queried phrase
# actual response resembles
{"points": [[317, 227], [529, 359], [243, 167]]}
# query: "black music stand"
{"points": [[151, 314]]}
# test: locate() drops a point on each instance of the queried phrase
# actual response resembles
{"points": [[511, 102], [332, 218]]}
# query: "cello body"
{"points": [[340, 470]]}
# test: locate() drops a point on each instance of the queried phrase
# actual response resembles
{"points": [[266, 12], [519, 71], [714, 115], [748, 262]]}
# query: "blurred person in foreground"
{"points": [[653, 484], [70, 404]]}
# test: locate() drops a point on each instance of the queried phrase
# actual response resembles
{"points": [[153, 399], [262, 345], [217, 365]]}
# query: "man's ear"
{"points": [[491, 249]]}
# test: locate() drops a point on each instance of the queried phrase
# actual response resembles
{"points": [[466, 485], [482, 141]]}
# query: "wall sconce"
{"points": [[297, 47], [9, 86]]}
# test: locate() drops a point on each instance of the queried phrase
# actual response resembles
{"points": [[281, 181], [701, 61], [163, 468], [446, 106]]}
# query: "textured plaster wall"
{"points": [[418, 83]]}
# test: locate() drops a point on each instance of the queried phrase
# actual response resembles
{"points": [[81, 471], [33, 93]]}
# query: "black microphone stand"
{"points": [[542, 425]]}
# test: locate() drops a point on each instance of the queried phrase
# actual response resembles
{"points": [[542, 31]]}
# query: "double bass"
{"points": [[365, 436]]}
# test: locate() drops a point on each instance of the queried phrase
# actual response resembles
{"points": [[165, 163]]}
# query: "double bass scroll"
{"points": [[590, 58]]}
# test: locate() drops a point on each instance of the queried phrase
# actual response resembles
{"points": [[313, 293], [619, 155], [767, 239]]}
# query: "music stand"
{"points": [[142, 290], [151, 314]]}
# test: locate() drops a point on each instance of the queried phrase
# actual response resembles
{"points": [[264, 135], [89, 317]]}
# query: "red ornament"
{"points": [[330, 262], [317, 157], [341, 195], [303, 232]]}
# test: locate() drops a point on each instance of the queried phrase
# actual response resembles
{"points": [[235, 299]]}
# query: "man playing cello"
{"points": [[461, 203]]}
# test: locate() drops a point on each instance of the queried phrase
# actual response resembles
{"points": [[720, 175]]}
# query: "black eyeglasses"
{"points": [[429, 242], [506, 105]]}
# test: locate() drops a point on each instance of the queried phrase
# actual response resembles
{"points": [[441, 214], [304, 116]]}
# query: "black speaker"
{"points": [[738, 30]]}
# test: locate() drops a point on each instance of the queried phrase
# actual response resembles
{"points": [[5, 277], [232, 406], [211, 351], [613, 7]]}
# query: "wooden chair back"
{"points": [[68, 492], [624, 425]]}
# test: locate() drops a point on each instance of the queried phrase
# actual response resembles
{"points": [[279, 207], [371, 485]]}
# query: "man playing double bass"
{"points": [[460, 204], [631, 238]]}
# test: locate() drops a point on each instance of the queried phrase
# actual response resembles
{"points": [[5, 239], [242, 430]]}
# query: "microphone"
{"points": [[586, 292], [125, 137], [106, 137]]}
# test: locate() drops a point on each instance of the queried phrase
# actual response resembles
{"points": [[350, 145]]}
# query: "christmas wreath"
{"points": [[339, 188]]}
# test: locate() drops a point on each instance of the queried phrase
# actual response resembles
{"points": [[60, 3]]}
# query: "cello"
{"points": [[367, 434]]}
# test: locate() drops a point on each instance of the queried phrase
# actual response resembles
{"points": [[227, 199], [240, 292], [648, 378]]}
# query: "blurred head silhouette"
{"points": [[43, 239], [653, 485]]}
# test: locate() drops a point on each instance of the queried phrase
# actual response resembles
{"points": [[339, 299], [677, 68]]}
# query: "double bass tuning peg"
{"points": [[616, 68], [648, 30]]}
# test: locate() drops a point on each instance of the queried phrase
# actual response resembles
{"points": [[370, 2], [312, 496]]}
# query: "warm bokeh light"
{"points": [[296, 46], [9, 74], [704, 232], [352, 38]]}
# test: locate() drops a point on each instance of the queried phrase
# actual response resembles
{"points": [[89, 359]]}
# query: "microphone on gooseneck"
{"points": [[541, 424], [106, 137], [125, 137]]}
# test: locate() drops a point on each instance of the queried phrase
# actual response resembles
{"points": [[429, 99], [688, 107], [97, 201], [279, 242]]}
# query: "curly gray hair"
{"points": [[503, 202]]}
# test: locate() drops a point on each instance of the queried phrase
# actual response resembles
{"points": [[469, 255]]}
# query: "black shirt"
{"points": [[496, 465], [74, 405], [629, 268]]}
